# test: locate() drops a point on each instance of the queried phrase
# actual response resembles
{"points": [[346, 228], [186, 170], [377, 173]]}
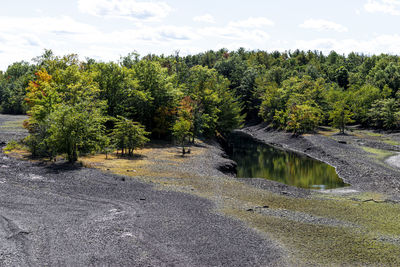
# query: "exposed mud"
{"points": [[160, 209], [349, 154], [63, 215]]}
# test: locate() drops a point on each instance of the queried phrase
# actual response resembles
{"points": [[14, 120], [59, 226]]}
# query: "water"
{"points": [[257, 160]]}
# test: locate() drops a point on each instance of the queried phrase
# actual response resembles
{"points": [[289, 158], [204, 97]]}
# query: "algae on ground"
{"points": [[15, 126], [361, 240], [365, 238], [379, 154]]}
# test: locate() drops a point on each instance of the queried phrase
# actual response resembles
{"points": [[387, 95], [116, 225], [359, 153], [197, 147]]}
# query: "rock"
{"points": [[342, 142], [228, 167]]}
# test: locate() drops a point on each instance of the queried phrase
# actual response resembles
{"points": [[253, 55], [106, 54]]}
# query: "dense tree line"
{"points": [[86, 106]]}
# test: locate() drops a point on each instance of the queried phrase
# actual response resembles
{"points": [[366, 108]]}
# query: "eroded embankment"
{"points": [[54, 214], [346, 227], [359, 157], [295, 227]]}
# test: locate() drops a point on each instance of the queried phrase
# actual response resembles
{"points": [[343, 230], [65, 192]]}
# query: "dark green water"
{"points": [[257, 160]]}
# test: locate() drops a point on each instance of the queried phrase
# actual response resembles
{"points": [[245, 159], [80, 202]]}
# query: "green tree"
{"points": [[303, 118], [385, 114], [232, 68], [230, 116], [271, 103], [12, 87], [202, 87], [65, 112], [128, 135], [361, 101], [249, 95], [113, 82], [75, 130], [342, 77], [296, 106], [154, 91], [182, 131], [341, 115]]}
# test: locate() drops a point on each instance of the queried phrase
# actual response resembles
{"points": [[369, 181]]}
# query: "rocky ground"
{"points": [[63, 215], [11, 128], [158, 208], [360, 157]]}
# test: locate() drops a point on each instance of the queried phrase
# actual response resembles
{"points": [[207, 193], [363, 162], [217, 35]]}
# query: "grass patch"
{"points": [[391, 142], [321, 244], [16, 125], [151, 162], [17, 150], [372, 134], [13, 145], [328, 131], [379, 154], [358, 242]]}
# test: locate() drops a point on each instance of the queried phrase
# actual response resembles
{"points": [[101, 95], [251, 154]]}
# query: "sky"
{"points": [[108, 29]]}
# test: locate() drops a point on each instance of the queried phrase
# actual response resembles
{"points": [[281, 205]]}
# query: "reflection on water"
{"points": [[257, 160]]}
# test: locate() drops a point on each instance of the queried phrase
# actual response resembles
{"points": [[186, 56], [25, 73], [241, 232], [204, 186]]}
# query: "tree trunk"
{"points": [[73, 155]]}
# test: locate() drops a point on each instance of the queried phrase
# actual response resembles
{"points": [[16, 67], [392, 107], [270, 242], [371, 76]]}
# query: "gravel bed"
{"points": [[353, 164], [65, 215]]}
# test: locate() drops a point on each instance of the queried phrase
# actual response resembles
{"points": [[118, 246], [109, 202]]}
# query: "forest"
{"points": [[77, 107]]}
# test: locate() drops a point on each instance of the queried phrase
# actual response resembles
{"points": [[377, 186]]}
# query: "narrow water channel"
{"points": [[258, 160]]}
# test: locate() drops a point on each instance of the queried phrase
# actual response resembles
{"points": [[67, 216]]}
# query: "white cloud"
{"points": [[43, 25], [258, 22], [128, 9], [323, 25], [161, 34], [233, 33], [204, 18], [23, 38], [390, 7], [244, 31], [379, 44]]}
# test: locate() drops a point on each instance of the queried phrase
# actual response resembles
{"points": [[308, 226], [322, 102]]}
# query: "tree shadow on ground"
{"points": [[133, 156], [160, 144], [60, 166]]}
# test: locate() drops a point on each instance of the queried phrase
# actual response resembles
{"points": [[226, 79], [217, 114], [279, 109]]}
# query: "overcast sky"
{"points": [[107, 29]]}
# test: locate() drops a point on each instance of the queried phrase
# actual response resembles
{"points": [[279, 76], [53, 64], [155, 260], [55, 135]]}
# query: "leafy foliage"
{"points": [[340, 116], [182, 131], [200, 95], [128, 135], [66, 114], [74, 130], [385, 113]]}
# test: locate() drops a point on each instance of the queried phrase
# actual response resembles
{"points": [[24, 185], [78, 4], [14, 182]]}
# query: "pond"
{"points": [[258, 160]]}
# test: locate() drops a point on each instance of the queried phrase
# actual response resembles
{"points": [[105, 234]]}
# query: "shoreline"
{"points": [[281, 224], [350, 155]]}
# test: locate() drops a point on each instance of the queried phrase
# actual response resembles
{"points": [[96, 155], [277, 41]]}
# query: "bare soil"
{"points": [[159, 209], [360, 156], [67, 215]]}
